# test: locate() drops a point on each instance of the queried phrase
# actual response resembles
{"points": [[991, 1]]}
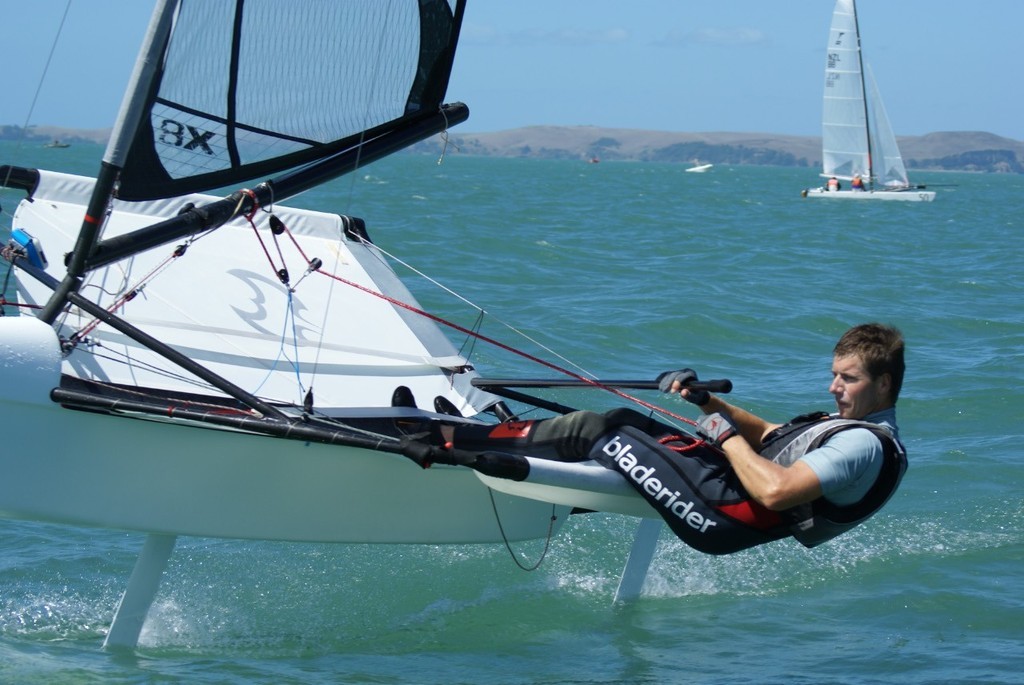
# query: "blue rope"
{"points": [[289, 318]]}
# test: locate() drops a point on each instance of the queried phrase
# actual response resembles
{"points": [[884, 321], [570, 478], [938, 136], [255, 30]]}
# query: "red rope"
{"points": [[128, 296], [484, 338], [249, 218], [508, 348], [296, 244], [664, 441], [4, 302]]}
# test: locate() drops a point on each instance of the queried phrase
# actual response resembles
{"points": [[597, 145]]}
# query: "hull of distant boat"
{"points": [[909, 195], [94, 469], [699, 169]]}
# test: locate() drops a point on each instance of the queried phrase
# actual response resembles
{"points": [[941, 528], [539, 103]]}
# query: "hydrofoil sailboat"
{"points": [[184, 363]]}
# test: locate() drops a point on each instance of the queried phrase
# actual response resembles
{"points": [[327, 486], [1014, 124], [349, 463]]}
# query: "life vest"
{"points": [[815, 522], [700, 497]]}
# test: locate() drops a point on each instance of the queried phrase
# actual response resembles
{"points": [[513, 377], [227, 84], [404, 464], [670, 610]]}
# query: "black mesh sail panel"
{"points": [[248, 88]]}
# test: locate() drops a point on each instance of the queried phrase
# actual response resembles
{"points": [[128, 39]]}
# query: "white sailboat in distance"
{"points": [[860, 157]]}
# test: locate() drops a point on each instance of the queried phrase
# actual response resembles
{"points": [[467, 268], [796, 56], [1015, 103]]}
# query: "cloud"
{"points": [[565, 37], [732, 37]]}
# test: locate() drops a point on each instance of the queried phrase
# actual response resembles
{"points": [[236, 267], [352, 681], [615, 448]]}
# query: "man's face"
{"points": [[856, 393]]}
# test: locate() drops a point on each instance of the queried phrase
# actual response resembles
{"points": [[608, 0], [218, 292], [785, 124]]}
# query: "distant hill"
{"points": [[45, 134], [946, 151], [960, 151]]}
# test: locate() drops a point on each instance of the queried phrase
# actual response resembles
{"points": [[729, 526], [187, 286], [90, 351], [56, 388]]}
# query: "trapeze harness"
{"points": [[701, 499]]}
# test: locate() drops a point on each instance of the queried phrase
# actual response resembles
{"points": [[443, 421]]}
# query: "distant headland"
{"points": [[944, 151]]}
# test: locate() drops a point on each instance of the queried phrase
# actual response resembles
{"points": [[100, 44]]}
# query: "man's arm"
{"points": [[752, 427], [775, 486]]}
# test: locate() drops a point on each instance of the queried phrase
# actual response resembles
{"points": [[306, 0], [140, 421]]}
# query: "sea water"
{"points": [[622, 270]]}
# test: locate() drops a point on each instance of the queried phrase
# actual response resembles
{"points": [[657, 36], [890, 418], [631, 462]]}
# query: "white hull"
{"points": [[587, 485], [699, 169], [897, 195], [84, 468], [149, 474]]}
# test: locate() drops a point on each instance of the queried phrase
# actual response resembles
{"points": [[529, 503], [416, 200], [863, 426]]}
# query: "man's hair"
{"points": [[880, 348]]}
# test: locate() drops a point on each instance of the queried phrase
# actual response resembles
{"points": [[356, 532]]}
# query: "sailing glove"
{"points": [[716, 428], [685, 377]]}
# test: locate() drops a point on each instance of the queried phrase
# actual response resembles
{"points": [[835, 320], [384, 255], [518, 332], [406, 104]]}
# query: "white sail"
{"points": [[844, 129], [887, 163]]}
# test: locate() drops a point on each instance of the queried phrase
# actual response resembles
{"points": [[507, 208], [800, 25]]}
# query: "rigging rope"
{"points": [[483, 312], [289, 318], [39, 86], [131, 293], [314, 265], [278, 227], [508, 348], [508, 545]]}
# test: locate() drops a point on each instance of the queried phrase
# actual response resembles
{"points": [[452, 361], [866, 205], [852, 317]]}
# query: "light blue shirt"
{"points": [[849, 462]]}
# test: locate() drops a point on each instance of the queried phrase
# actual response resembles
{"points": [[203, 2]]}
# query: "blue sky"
{"points": [[672, 65]]}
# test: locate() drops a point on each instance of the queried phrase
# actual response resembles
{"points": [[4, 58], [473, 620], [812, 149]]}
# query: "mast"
{"points": [[864, 94], [132, 108]]}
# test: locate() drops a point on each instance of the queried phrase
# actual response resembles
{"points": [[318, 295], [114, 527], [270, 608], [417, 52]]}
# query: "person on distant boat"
{"points": [[857, 183], [834, 184], [749, 481]]}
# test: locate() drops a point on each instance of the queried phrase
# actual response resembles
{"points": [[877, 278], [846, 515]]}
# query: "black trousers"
{"points": [[696, 492], [563, 438]]}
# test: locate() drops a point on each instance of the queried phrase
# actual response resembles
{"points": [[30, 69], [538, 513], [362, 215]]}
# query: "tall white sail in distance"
{"points": [[844, 128], [857, 139]]}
